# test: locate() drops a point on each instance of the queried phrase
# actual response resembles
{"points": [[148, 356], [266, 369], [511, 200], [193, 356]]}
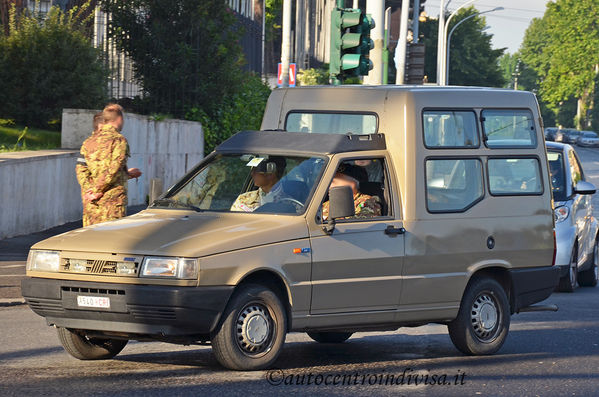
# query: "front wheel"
{"points": [[330, 337], [483, 320], [252, 329], [85, 348], [588, 278]]}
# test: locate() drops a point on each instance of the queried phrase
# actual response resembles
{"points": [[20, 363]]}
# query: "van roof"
{"points": [[299, 143]]}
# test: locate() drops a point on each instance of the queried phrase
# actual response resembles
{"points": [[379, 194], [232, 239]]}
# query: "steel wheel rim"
{"points": [[255, 329], [485, 317]]}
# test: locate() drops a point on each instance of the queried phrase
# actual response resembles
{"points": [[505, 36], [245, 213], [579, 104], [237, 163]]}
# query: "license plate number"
{"points": [[93, 301]]}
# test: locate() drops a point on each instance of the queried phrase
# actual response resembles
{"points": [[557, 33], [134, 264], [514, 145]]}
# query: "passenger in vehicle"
{"points": [[373, 168], [265, 176], [350, 175]]}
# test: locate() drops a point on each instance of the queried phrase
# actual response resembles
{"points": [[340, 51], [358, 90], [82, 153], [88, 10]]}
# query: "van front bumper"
{"points": [[151, 310], [533, 285]]}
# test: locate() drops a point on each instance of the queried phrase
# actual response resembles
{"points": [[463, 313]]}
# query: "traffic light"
{"points": [[350, 43]]}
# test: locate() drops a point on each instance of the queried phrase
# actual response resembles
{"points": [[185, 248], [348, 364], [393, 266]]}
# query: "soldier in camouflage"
{"points": [[265, 175], [103, 173], [350, 175]]}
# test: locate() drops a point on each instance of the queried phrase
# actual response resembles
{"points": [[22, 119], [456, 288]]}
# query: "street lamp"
{"points": [[446, 62], [441, 75]]}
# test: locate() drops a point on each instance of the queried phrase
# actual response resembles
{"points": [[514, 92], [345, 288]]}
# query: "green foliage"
{"points": [[47, 65], [241, 111], [313, 76], [17, 138], [561, 48], [473, 62], [186, 53]]}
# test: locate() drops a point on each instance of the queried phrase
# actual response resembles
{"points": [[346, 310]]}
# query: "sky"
{"points": [[508, 25]]}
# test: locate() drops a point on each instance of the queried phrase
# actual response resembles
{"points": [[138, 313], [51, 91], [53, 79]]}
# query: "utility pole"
{"points": [[376, 8], [440, 41], [402, 43], [415, 21], [286, 43]]}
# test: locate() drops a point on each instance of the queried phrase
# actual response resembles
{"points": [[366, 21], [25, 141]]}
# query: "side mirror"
{"points": [[583, 187], [341, 205]]}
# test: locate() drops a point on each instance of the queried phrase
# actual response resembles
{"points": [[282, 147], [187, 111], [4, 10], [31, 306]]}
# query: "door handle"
{"points": [[394, 231]]}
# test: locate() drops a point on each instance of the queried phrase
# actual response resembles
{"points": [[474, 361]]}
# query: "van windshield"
{"points": [[248, 182]]}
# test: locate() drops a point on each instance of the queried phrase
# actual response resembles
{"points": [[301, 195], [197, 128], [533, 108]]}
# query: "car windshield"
{"points": [[558, 175], [589, 134], [248, 182]]}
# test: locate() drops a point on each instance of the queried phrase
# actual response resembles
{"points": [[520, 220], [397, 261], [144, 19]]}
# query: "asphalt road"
{"points": [[546, 354]]}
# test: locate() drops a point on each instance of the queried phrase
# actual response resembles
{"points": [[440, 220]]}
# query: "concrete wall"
{"points": [[39, 190]]}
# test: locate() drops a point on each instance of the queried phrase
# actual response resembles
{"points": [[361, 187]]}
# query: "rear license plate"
{"points": [[93, 301]]}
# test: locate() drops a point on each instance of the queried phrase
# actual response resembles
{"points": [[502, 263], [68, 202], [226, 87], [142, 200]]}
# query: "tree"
{"points": [[49, 64], [472, 59], [562, 48], [185, 53]]}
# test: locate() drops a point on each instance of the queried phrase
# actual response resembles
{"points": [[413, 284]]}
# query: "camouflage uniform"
{"points": [[250, 201], [105, 154], [366, 206]]}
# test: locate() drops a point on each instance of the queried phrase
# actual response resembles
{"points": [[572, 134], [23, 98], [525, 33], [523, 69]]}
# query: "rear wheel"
{"points": [[85, 348], [252, 329], [330, 337], [568, 283], [588, 278], [483, 320]]}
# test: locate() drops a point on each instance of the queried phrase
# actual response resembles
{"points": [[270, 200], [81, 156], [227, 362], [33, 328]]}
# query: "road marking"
{"points": [[10, 266], [12, 275]]}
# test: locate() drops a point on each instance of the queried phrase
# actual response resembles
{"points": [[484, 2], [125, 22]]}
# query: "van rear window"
{"points": [[509, 128], [331, 123], [514, 176], [453, 185], [450, 129]]}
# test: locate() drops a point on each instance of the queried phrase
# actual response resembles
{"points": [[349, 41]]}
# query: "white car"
{"points": [[588, 139], [576, 230]]}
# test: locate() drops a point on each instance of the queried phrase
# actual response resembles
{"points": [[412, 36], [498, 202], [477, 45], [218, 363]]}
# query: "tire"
{"points": [[568, 283], [252, 329], [588, 278], [330, 337], [485, 301], [84, 348]]}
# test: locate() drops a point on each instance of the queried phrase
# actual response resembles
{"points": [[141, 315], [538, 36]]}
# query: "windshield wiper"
{"points": [[174, 203]]}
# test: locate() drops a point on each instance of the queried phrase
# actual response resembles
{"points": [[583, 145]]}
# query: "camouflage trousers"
{"points": [[112, 206]]}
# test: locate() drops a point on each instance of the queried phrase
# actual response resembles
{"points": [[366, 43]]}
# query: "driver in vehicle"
{"points": [[350, 175], [265, 176]]}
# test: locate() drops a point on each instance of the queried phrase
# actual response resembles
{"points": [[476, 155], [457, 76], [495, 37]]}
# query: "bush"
{"points": [[47, 65], [241, 111], [313, 76]]}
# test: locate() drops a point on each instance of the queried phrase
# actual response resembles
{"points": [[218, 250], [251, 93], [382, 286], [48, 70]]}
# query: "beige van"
{"points": [[354, 209]]}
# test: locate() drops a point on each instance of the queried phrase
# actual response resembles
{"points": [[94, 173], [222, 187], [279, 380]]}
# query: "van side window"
{"points": [[369, 179], [450, 129], [453, 185], [514, 176], [509, 128]]}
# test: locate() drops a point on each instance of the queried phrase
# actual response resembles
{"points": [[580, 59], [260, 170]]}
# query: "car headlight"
{"points": [[182, 268], [43, 261], [561, 214]]}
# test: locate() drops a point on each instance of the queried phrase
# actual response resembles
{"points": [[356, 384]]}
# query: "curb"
{"points": [[11, 302]]}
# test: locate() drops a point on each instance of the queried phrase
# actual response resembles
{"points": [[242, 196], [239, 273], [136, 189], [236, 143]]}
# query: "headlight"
{"points": [[561, 214], [43, 261], [182, 268]]}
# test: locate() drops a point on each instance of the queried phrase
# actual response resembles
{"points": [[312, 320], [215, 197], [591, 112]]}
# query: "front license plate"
{"points": [[93, 301]]}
